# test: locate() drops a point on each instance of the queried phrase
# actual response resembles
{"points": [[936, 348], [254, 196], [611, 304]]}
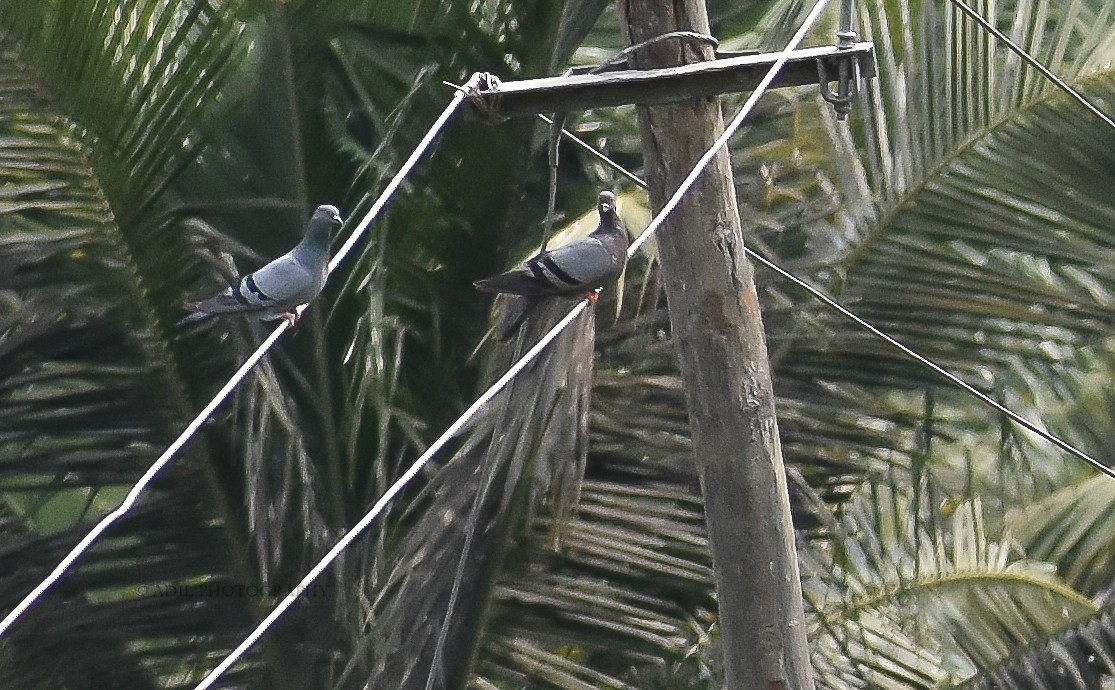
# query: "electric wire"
{"points": [[148, 476], [867, 326], [655, 223], [133, 495], [874, 330], [1045, 71], [925, 361], [629, 50], [531, 354], [389, 494], [511, 373]]}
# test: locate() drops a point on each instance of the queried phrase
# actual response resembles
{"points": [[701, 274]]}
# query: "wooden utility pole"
{"points": [[718, 332]]}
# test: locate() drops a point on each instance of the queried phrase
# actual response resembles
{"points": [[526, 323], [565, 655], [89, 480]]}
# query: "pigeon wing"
{"points": [[281, 284], [582, 265]]}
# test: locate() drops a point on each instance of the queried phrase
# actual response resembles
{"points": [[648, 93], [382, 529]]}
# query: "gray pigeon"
{"points": [[275, 290], [577, 269]]}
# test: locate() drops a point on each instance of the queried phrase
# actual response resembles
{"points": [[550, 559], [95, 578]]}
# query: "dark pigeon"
{"points": [[578, 269], [293, 279]]}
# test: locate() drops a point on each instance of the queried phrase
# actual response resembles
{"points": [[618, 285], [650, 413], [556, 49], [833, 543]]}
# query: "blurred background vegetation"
{"points": [[149, 149]]}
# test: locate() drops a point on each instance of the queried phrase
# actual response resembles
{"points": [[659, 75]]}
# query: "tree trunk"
{"points": [[717, 329]]}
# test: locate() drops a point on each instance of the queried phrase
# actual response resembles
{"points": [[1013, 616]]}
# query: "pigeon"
{"points": [[578, 269], [275, 290]]}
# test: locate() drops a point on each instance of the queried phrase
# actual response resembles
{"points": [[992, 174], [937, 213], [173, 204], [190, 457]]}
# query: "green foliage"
{"points": [[148, 148], [941, 597]]}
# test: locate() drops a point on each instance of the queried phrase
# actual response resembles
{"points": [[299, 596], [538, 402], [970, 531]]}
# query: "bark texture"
{"points": [[718, 332]]}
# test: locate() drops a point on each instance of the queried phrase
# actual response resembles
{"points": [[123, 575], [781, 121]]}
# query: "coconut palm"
{"points": [[145, 143], [141, 145]]}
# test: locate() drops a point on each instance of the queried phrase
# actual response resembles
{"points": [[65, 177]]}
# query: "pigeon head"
{"points": [[325, 221], [606, 203], [327, 215]]}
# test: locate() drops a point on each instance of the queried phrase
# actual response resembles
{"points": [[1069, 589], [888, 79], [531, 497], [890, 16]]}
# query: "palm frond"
{"points": [[1081, 657], [513, 464], [991, 207], [92, 389], [629, 595], [160, 64], [942, 582], [1072, 529]]}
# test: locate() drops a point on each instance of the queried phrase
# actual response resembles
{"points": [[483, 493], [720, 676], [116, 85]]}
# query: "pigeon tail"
{"points": [[228, 302], [512, 283], [194, 318]]}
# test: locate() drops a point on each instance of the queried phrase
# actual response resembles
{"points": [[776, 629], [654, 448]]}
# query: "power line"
{"points": [[183, 438], [867, 326], [391, 492], [730, 130], [511, 373], [148, 476], [1045, 71], [925, 361], [531, 354]]}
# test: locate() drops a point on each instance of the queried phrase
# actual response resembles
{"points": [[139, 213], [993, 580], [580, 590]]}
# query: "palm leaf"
{"points": [[511, 466], [948, 588], [627, 598], [961, 243], [92, 388], [85, 408], [1071, 528], [1081, 657]]}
